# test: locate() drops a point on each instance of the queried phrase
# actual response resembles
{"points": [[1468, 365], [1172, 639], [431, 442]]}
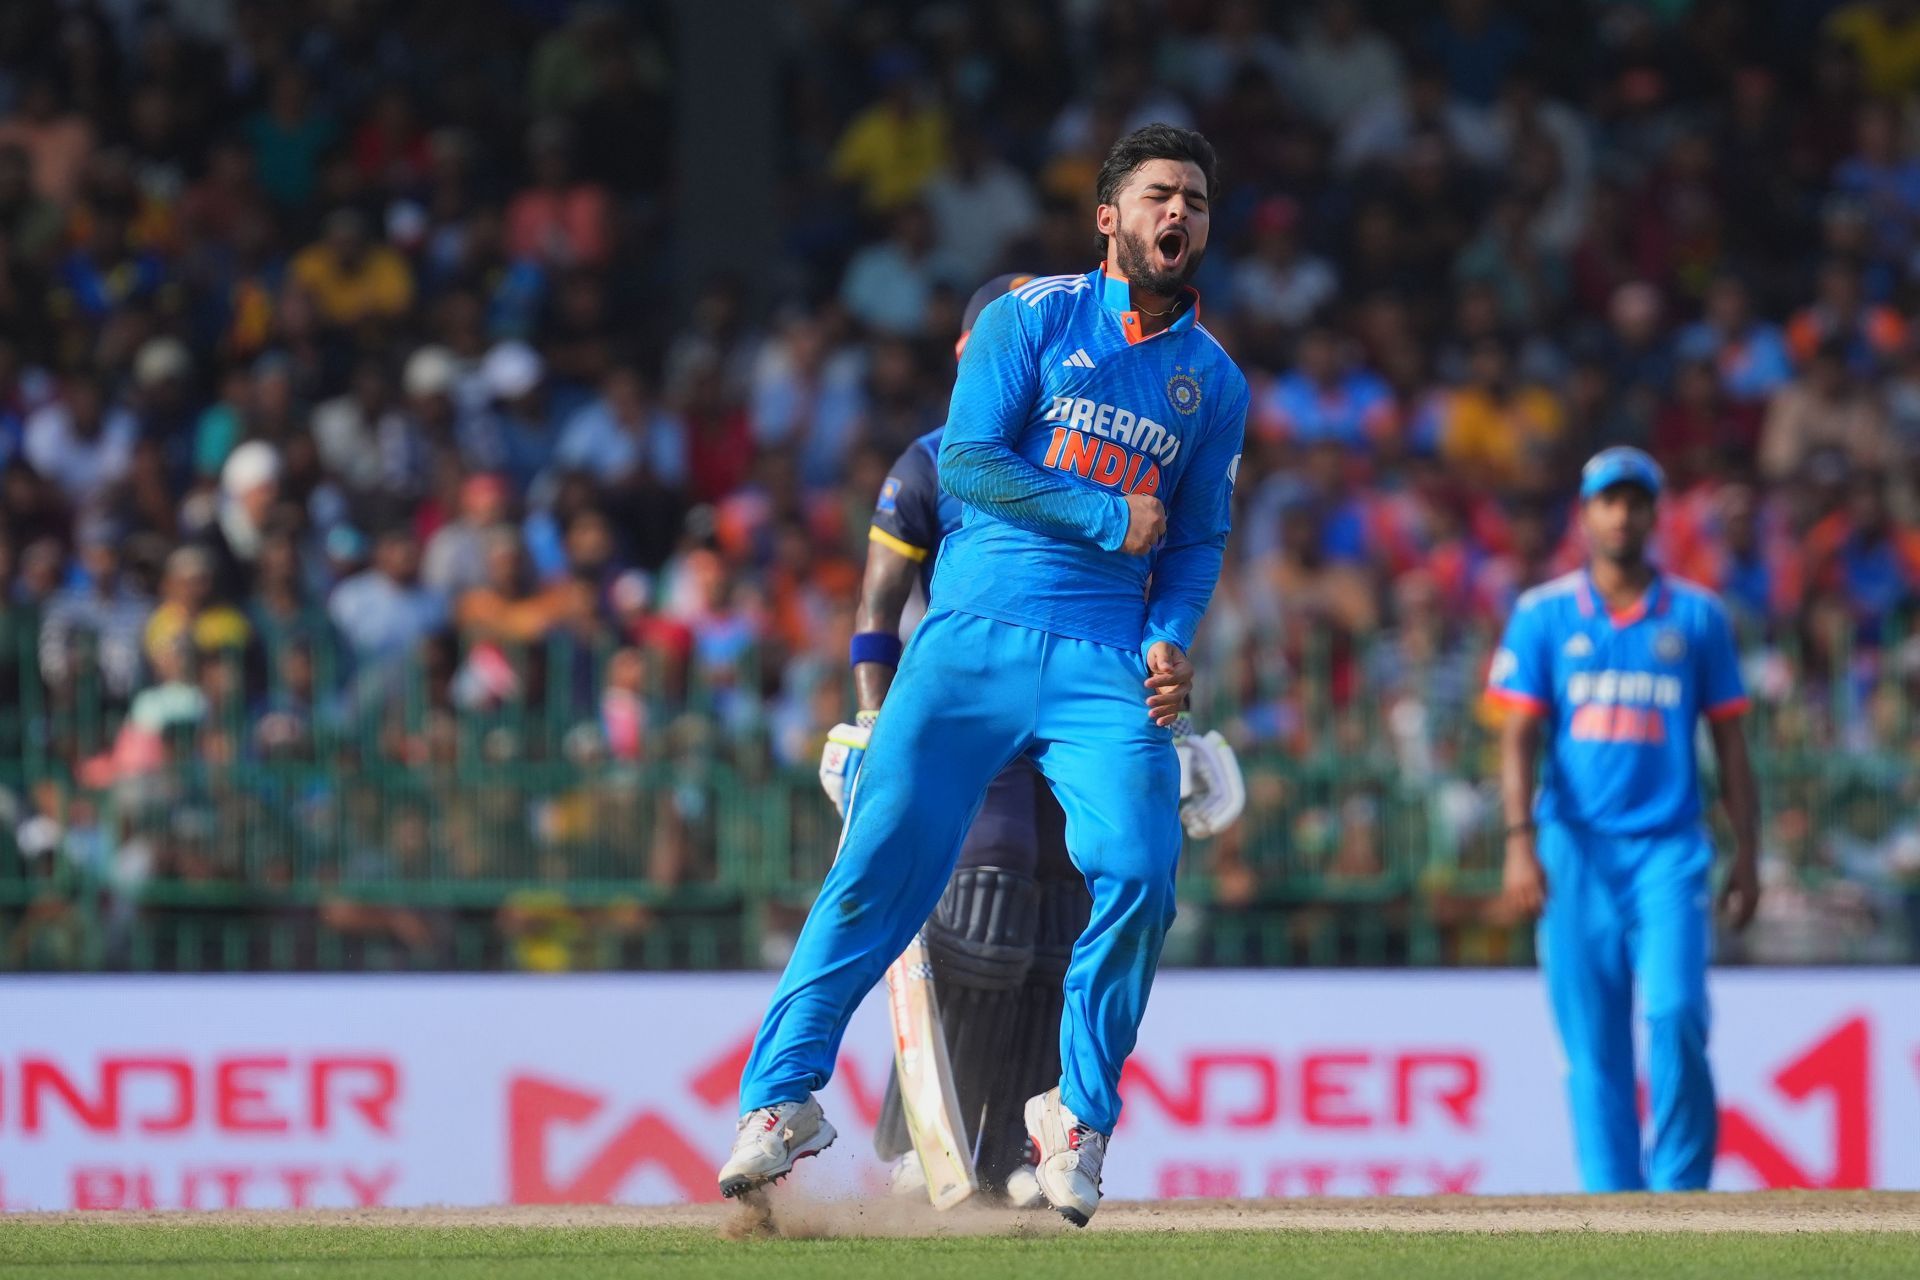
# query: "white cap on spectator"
{"points": [[430, 371], [511, 370], [38, 836], [630, 591], [251, 465], [161, 359]]}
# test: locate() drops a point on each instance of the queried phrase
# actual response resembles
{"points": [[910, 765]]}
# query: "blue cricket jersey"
{"points": [[1621, 696], [1060, 408]]}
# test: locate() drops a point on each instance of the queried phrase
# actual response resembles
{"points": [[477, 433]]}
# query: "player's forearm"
{"points": [[987, 474], [1739, 790], [1519, 758], [1183, 582], [884, 593]]}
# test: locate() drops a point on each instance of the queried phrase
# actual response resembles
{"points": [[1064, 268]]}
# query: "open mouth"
{"points": [[1171, 247]]}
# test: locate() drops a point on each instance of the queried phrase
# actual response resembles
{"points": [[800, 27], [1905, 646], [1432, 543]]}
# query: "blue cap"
{"points": [[1620, 465]]}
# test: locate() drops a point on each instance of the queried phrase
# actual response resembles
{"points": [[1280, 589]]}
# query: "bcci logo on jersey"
{"points": [[1183, 392]]}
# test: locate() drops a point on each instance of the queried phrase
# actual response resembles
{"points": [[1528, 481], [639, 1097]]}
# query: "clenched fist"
{"points": [[1146, 524]]}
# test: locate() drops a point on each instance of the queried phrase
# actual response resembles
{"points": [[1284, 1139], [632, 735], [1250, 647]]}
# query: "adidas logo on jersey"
{"points": [[1578, 646], [1079, 360]]}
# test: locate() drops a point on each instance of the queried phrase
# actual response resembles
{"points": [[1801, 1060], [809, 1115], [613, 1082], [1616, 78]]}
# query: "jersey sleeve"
{"points": [[998, 383], [1723, 693], [906, 519], [1522, 673], [1199, 514]]}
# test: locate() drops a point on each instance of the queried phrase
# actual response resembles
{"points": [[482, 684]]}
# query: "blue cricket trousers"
{"points": [[1623, 910], [971, 695]]}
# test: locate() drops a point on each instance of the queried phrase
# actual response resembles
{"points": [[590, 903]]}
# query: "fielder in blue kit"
{"points": [[1615, 665], [1093, 436]]}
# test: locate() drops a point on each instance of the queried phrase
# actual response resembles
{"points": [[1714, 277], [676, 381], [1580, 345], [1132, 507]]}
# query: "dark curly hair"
{"points": [[1154, 142]]}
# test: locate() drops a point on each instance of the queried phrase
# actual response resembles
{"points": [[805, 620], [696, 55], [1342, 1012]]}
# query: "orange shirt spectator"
{"points": [[1870, 334], [559, 222]]}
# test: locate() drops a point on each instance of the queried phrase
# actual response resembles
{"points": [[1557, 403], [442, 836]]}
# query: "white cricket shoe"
{"points": [[907, 1177], [1071, 1154], [769, 1139]]}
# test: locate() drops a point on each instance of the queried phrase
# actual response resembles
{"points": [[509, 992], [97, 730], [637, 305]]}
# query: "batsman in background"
{"points": [[1614, 665], [1000, 938], [1093, 436]]}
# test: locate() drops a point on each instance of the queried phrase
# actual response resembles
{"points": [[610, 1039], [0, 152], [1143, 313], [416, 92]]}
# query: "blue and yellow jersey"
{"points": [[914, 513], [1060, 408], [1621, 695]]}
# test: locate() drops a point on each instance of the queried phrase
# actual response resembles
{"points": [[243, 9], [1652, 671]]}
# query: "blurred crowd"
{"points": [[348, 394]]}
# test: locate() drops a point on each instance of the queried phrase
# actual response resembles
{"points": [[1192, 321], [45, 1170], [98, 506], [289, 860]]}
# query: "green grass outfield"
{"points": [[207, 1247]]}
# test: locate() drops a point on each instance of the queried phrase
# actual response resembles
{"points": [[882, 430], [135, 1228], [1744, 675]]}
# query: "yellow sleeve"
{"points": [[853, 156]]}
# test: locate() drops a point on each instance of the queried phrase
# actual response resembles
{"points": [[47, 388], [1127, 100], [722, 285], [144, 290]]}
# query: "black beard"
{"points": [[1130, 252]]}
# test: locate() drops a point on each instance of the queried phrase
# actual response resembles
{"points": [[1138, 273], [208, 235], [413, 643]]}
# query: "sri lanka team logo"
{"points": [[1183, 391]]}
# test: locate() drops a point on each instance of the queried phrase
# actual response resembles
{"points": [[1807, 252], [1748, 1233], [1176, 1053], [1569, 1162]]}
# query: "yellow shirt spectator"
{"points": [[351, 279], [1886, 40], [890, 151], [213, 629], [1491, 436]]}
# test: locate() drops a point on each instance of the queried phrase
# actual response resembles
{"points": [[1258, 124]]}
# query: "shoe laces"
{"points": [[1088, 1148], [763, 1119]]}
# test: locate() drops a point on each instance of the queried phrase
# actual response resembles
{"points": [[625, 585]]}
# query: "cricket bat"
{"points": [[928, 1099]]}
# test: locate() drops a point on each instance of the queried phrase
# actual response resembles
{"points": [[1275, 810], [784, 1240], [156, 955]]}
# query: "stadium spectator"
{"points": [[384, 612], [437, 282], [350, 278], [1825, 408], [1750, 354], [30, 221], [82, 442], [57, 142], [558, 221], [889, 285], [1327, 399], [1496, 429], [104, 616], [249, 487], [189, 612], [1885, 36], [290, 138], [892, 149], [1280, 285], [1338, 64]]}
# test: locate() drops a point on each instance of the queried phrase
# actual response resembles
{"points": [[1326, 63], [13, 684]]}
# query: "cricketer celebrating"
{"points": [[1002, 934], [1093, 436], [1616, 663]]}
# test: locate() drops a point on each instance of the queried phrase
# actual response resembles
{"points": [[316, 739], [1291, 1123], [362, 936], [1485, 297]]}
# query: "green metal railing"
{"points": [[392, 827]]}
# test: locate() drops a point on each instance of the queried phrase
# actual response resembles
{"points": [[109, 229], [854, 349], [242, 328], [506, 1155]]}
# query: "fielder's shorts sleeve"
{"points": [[906, 519], [1522, 676], [1722, 691]]}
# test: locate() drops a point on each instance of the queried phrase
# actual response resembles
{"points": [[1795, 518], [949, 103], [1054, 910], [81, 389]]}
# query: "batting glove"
{"points": [[1213, 793], [840, 760]]}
